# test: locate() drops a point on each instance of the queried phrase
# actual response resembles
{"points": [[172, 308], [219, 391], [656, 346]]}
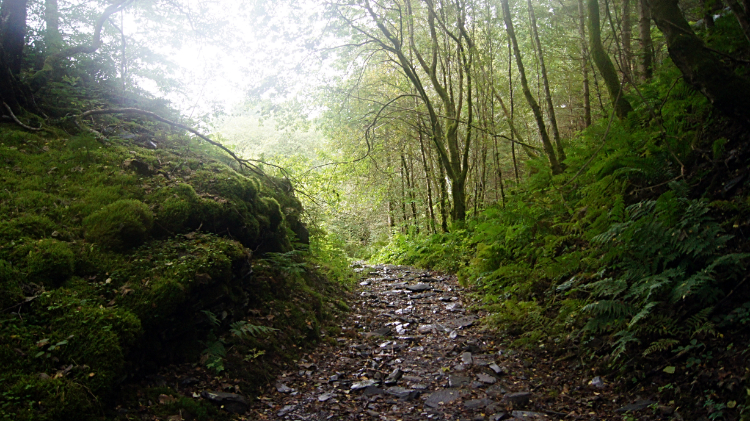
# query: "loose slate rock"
{"points": [[486, 378], [477, 404], [393, 377], [462, 322], [496, 368], [402, 393], [637, 406], [285, 410], [363, 384], [528, 415], [326, 396], [518, 398], [458, 381], [282, 388], [423, 295], [418, 287], [230, 402], [466, 358], [442, 397]]}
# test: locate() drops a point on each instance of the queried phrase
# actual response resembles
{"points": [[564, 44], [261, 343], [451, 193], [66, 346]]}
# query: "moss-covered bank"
{"points": [[117, 259]]}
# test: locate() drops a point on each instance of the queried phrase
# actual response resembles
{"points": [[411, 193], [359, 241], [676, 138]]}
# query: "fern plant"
{"points": [[668, 263]]}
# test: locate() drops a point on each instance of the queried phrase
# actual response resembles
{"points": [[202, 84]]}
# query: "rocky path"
{"points": [[412, 350]]}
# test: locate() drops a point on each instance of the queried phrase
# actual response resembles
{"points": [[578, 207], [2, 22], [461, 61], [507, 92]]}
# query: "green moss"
{"points": [[10, 289], [27, 225], [120, 225], [47, 261], [31, 398], [272, 211]]}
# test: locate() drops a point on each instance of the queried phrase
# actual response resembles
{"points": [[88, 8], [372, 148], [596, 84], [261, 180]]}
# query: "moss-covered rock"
{"points": [[48, 261], [121, 225], [10, 288]]}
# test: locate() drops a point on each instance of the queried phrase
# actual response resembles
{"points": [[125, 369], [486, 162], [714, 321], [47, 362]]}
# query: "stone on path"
{"points": [[236, 404], [282, 388], [285, 410], [637, 406], [363, 384], [486, 378], [442, 397], [466, 358], [517, 398], [402, 393], [458, 381], [418, 287]]}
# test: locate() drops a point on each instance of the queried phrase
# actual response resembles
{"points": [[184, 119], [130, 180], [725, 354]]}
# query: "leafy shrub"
{"points": [[120, 225]]}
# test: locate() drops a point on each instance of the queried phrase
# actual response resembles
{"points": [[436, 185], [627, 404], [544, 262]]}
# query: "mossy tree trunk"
{"points": [[726, 90], [604, 63], [741, 14]]}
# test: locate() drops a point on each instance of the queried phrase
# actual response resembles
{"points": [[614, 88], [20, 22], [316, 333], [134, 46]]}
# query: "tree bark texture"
{"points": [[547, 93], [647, 45], [546, 143], [726, 90], [741, 14], [584, 65], [53, 40], [604, 63], [13, 33]]}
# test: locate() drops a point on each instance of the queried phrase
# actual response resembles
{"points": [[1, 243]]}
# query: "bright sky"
{"points": [[220, 74]]}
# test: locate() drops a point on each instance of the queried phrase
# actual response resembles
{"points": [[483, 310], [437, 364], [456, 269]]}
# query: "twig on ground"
{"points": [[13, 116]]}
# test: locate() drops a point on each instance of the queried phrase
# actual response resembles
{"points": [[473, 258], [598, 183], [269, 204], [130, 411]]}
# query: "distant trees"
{"points": [[448, 74]]}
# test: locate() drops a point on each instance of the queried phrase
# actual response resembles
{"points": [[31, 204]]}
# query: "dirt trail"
{"points": [[412, 350]]}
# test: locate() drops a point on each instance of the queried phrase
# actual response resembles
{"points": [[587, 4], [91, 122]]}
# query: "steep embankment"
{"points": [[118, 258]]}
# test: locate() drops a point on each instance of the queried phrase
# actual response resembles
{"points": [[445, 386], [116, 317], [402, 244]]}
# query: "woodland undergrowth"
{"points": [[635, 257]]}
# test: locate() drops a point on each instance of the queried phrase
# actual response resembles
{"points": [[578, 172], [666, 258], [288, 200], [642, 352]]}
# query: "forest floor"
{"points": [[413, 348]]}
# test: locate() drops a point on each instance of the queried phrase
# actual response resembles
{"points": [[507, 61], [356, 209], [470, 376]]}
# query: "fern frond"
{"points": [[660, 345]]}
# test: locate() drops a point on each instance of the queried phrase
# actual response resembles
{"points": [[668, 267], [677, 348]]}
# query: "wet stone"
{"points": [[372, 391], [466, 358], [637, 406], [458, 381], [230, 402], [477, 403], [402, 393], [282, 388], [326, 396], [285, 410], [363, 384], [528, 415], [442, 397], [486, 378], [496, 368], [394, 377], [517, 398], [418, 287]]}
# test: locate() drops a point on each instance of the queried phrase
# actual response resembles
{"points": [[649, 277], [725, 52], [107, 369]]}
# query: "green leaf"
{"points": [[669, 370]]}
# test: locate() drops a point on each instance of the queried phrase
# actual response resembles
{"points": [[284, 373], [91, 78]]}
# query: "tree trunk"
{"points": [[13, 33], [726, 90], [53, 40], [627, 48], [604, 63], [444, 211], [548, 149], [547, 93], [428, 178], [584, 65], [741, 15], [647, 45]]}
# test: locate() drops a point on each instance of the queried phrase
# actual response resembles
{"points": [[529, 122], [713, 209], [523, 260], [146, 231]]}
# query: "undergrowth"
{"points": [[633, 256]]}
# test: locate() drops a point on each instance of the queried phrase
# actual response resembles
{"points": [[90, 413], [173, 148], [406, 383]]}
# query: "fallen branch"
{"points": [[246, 163], [13, 116]]}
